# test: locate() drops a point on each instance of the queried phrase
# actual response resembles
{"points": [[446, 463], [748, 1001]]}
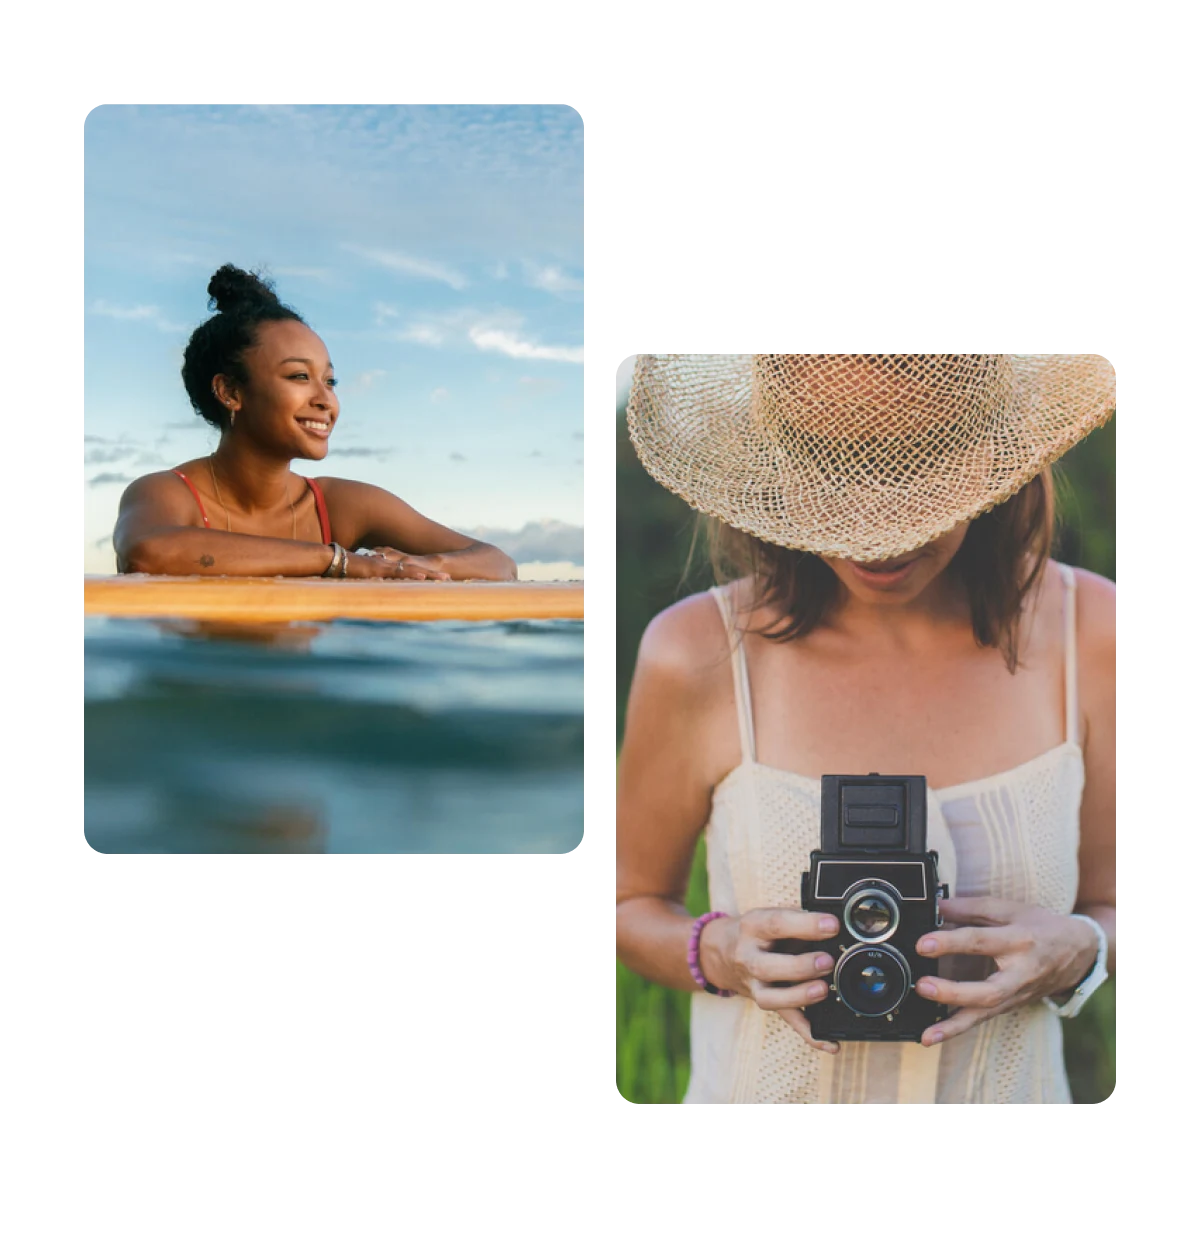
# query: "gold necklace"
{"points": [[228, 523]]}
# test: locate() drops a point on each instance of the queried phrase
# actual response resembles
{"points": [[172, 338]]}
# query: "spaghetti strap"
{"points": [[1070, 657], [322, 511], [191, 487], [741, 676]]}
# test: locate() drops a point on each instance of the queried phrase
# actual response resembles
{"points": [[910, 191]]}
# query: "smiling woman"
{"points": [[264, 379]]}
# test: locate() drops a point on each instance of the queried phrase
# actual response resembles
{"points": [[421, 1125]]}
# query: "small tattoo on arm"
{"points": [[206, 561]]}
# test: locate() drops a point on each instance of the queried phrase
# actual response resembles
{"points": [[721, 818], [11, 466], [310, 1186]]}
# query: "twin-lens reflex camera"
{"points": [[873, 873]]}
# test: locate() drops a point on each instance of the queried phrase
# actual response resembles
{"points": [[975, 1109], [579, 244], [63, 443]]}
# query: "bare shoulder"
{"points": [[163, 486], [347, 484], [355, 505], [1097, 614], [681, 739], [362, 498], [348, 490], [149, 504], [363, 510], [686, 644]]}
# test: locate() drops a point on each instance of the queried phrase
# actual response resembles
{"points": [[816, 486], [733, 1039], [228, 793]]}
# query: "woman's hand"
{"points": [[735, 954], [388, 562], [1039, 953], [428, 566]]}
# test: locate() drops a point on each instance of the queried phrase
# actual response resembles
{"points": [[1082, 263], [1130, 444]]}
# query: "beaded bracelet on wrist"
{"points": [[693, 955]]}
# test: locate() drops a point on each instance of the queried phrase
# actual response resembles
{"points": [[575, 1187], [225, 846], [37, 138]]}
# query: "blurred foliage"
{"points": [[659, 560]]}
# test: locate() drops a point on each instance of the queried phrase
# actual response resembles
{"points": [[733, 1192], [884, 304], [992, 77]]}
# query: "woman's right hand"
{"points": [[735, 954], [387, 562]]}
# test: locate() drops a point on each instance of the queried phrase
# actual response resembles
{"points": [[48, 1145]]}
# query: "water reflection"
{"points": [[343, 737], [210, 825], [282, 635]]}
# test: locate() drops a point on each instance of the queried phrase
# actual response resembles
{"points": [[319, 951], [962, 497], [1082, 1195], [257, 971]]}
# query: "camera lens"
{"points": [[872, 981], [872, 915]]}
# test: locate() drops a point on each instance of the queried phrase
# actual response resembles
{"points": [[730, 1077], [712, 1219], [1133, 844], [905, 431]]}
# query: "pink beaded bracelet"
{"points": [[693, 955]]}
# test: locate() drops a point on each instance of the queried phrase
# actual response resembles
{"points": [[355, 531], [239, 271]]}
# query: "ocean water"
{"points": [[348, 736]]}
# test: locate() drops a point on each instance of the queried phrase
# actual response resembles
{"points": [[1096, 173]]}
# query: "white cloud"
{"points": [[461, 190], [406, 264], [137, 314], [547, 541], [366, 379], [384, 313], [552, 280], [126, 312], [499, 331], [422, 333], [303, 273], [497, 340], [558, 570], [108, 455], [98, 558], [439, 394]]}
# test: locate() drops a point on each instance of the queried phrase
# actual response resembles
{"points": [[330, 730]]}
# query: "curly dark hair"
{"points": [[243, 300]]}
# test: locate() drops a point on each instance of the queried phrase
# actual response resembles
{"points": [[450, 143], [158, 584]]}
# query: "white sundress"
{"points": [[1014, 835]]}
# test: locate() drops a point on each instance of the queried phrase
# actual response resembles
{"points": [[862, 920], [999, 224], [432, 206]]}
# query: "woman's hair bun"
{"points": [[232, 290]]}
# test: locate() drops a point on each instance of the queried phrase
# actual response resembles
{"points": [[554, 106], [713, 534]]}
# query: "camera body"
{"points": [[873, 873]]}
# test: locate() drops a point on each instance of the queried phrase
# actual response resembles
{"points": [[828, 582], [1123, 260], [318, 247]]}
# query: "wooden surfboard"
{"points": [[263, 599]]}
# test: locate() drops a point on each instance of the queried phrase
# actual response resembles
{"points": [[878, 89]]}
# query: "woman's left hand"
{"points": [[418, 567], [1038, 953]]}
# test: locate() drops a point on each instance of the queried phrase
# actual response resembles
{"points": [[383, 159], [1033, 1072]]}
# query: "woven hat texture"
{"points": [[860, 456]]}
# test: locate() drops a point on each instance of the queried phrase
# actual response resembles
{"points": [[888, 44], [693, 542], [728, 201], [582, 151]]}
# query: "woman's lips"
{"points": [[888, 574], [316, 427]]}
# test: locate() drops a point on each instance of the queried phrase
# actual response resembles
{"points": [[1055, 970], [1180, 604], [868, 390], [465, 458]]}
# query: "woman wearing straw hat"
{"points": [[892, 607]]}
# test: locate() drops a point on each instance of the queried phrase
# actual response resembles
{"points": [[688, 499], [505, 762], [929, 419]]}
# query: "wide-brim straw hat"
{"points": [[861, 456]]}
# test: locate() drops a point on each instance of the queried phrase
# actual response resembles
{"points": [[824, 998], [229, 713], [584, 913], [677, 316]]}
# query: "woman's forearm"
{"points": [[652, 939], [182, 552], [480, 561]]}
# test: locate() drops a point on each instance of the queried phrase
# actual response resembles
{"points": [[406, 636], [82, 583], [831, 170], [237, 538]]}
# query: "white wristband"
{"points": [[1094, 980]]}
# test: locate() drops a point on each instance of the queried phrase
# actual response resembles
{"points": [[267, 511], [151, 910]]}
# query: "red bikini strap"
{"points": [[199, 502], [322, 511]]}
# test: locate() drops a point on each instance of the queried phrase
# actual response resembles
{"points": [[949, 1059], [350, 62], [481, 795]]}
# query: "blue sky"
{"points": [[437, 250]]}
